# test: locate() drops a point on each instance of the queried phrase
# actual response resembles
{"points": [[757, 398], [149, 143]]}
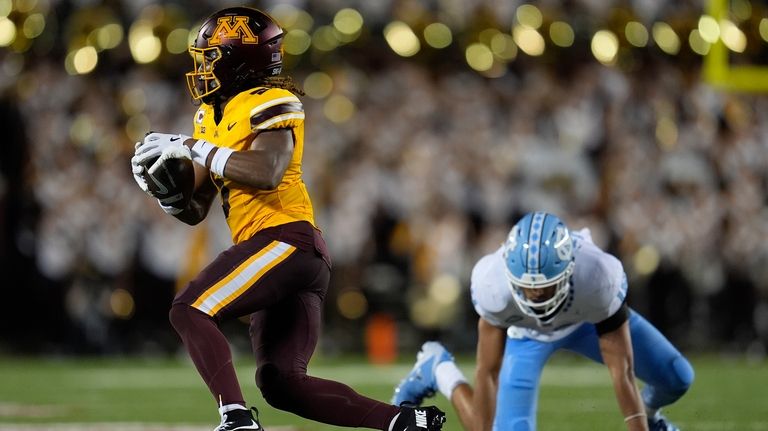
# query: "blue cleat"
{"points": [[659, 423], [421, 382]]}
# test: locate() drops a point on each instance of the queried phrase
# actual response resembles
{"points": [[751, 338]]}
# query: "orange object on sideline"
{"points": [[381, 339]]}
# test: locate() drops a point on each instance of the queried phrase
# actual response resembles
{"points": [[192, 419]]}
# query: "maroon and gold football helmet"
{"points": [[233, 48]]}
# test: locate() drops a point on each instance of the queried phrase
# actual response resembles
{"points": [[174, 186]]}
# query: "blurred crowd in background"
{"points": [[422, 150]]}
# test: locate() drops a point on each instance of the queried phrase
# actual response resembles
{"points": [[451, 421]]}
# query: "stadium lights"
{"points": [[709, 29], [402, 39], [479, 57], [528, 40], [7, 32], [26, 6], [763, 28], [666, 38], [297, 42], [121, 304], [438, 35], [5, 8], [503, 46], [33, 26], [324, 38], [445, 290], [741, 9], [144, 45], [348, 22], [697, 43], [318, 85], [352, 304], [646, 260], [436, 305], [339, 109], [487, 35], [109, 36], [636, 34], [81, 61], [605, 46], [292, 18], [732, 36], [561, 34], [529, 16], [176, 41], [85, 60]]}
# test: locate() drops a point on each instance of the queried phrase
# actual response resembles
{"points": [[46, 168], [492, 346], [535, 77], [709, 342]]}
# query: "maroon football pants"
{"points": [[280, 277]]}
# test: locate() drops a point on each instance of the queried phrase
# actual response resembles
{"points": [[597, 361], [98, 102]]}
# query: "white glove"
{"points": [[164, 146], [137, 171]]}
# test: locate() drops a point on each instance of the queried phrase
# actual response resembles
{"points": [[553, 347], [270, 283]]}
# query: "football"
{"points": [[173, 182]]}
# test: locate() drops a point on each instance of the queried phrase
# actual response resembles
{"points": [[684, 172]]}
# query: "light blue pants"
{"points": [[665, 372]]}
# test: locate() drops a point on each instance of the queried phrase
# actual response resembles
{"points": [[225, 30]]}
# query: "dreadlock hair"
{"points": [[284, 82]]}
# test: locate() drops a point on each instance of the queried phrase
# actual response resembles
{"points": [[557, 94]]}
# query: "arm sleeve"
{"points": [[614, 321]]}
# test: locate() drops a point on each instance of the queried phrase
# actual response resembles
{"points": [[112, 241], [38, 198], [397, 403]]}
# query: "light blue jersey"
{"points": [[598, 289]]}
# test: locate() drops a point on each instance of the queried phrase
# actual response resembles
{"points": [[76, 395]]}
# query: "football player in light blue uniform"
{"points": [[547, 288]]}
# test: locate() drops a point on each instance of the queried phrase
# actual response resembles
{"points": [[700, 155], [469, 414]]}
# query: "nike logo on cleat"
{"points": [[421, 418], [253, 426]]}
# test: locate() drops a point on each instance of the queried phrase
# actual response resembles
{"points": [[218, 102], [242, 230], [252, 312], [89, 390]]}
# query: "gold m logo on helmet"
{"points": [[234, 27]]}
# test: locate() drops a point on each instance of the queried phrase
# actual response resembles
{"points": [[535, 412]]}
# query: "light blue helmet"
{"points": [[538, 255]]}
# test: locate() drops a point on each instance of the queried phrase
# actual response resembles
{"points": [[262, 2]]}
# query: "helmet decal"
{"points": [[232, 27], [534, 237]]}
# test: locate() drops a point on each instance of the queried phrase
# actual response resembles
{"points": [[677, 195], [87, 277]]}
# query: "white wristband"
{"points": [[448, 376], [220, 160], [200, 151]]}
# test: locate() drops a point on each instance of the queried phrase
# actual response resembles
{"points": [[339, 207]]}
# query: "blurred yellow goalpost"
{"points": [[717, 68]]}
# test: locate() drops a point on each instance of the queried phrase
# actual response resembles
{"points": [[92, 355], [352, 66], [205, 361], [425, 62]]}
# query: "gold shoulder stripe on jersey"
{"points": [[273, 102], [274, 111], [274, 120]]}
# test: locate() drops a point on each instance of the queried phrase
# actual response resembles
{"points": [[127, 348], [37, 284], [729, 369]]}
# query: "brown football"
{"points": [[173, 182]]}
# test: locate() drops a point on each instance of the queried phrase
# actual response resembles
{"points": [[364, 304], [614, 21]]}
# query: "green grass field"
{"points": [[140, 394]]}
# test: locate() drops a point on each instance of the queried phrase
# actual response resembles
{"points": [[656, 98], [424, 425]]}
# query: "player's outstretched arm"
{"points": [[476, 409], [616, 348]]}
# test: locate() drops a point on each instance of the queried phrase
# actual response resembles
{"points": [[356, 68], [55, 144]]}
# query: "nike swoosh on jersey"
{"points": [[230, 126], [175, 139]]}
